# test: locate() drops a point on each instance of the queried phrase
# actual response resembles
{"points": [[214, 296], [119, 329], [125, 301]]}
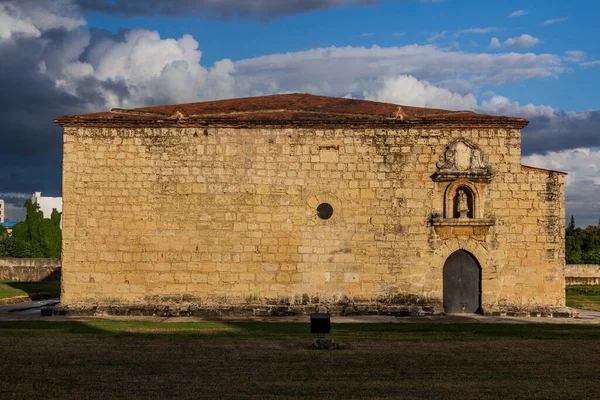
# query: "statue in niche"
{"points": [[463, 204]]}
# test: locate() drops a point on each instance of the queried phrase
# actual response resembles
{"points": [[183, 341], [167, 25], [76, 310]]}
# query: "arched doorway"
{"points": [[462, 283]]}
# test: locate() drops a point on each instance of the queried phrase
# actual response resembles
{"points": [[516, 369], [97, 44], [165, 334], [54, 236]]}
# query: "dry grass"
{"points": [[216, 360]]}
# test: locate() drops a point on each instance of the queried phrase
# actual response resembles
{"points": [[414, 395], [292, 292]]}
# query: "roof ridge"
{"points": [[135, 111], [266, 110], [138, 111], [292, 108]]}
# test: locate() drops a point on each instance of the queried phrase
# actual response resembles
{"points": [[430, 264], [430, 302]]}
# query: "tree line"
{"points": [[582, 246], [36, 237]]}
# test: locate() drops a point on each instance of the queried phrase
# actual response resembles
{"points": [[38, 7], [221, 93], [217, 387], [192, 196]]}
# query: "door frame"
{"points": [[480, 279]]}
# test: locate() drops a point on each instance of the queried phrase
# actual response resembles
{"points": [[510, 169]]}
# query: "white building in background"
{"points": [[47, 204], [2, 215]]}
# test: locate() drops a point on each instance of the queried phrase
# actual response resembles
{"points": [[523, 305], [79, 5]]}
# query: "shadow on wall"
{"points": [[29, 269]]}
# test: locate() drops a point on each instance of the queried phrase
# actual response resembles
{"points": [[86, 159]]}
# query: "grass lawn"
{"points": [[145, 360], [19, 289], [584, 297]]}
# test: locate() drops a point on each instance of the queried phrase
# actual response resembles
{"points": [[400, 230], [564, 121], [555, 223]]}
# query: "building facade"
{"points": [[2, 211], [291, 203], [47, 204]]}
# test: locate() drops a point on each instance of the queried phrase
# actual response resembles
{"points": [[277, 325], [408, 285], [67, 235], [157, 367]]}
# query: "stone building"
{"points": [[2, 209], [291, 203]]}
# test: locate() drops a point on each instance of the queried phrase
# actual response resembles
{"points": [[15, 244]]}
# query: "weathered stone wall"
{"points": [[582, 274], [228, 216], [29, 269]]}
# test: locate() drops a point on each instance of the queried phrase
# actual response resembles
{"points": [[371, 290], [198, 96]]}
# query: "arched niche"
{"points": [[462, 176], [452, 200]]}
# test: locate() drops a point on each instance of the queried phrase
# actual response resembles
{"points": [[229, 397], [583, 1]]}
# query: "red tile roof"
{"points": [[289, 109]]}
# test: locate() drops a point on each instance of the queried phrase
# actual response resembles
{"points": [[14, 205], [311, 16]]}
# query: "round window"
{"points": [[325, 211]]}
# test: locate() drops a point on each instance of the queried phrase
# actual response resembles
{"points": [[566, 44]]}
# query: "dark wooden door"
{"points": [[462, 283]]}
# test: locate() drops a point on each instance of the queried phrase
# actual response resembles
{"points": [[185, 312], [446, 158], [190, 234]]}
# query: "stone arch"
{"points": [[475, 209], [434, 278], [454, 244]]}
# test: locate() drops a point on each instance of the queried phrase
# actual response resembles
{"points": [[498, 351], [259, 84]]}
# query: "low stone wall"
{"points": [[29, 269], [582, 274], [388, 308]]}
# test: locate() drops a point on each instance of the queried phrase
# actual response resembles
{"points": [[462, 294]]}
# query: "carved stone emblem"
{"points": [[462, 155]]}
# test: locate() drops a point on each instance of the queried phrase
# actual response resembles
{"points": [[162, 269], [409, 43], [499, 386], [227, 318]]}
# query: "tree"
{"points": [[15, 248], [42, 236], [572, 223], [582, 246]]}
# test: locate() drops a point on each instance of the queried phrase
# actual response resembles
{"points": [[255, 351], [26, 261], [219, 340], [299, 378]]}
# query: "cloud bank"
{"points": [[221, 9]]}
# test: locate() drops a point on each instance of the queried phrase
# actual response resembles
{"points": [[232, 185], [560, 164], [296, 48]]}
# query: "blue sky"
{"points": [[536, 59], [401, 23]]}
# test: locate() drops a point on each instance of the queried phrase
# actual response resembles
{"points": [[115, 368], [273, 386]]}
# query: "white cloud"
{"points": [[583, 164], [408, 90], [574, 56], [518, 13], [13, 195], [589, 64], [12, 24], [149, 67], [524, 41], [555, 20], [495, 43], [582, 183], [488, 29], [438, 36], [501, 105], [354, 70], [32, 18], [476, 30]]}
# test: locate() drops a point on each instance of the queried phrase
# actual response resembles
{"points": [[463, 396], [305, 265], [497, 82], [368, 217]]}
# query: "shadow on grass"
{"points": [[36, 290], [296, 330], [301, 331], [47, 288], [101, 359]]}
